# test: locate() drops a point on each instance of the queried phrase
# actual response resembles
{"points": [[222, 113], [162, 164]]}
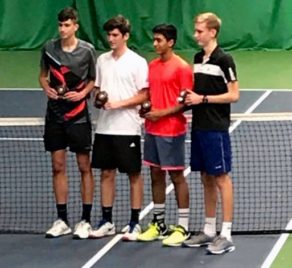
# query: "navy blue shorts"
{"points": [[168, 153], [211, 152]]}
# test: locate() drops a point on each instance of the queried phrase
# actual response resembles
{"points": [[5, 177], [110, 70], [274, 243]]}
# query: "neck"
{"points": [[210, 48], [166, 56], [69, 44], [117, 53]]}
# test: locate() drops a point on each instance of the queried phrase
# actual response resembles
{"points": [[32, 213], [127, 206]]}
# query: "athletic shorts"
{"points": [[211, 152], [120, 152], [168, 153], [60, 136]]}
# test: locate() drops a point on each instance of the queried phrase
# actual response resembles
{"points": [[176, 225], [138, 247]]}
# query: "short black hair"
{"points": [[118, 22], [68, 13], [169, 31]]}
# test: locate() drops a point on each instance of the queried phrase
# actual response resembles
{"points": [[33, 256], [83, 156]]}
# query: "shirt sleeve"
{"points": [[229, 69], [43, 63], [141, 79], [97, 72], [92, 65], [186, 77]]}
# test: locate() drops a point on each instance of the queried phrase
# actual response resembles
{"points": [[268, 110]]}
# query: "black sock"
{"points": [[62, 212], [135, 215], [107, 214], [86, 212]]}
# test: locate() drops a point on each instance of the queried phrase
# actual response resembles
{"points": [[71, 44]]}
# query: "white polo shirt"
{"points": [[121, 79]]}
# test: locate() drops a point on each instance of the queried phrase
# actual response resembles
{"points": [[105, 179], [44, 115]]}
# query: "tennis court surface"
{"points": [[262, 147]]}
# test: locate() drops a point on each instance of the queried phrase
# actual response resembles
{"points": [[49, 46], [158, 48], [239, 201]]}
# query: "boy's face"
{"points": [[203, 35], [160, 44], [67, 28], [116, 39]]}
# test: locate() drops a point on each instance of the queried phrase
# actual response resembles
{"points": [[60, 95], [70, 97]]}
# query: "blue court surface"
{"points": [[33, 250]]}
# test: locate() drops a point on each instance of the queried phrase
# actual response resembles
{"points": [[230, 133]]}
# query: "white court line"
{"points": [[277, 247], [251, 109], [149, 207]]}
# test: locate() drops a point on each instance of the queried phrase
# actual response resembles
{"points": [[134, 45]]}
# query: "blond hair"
{"points": [[212, 20]]}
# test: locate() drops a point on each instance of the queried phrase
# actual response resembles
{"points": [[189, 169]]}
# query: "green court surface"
{"points": [[284, 258], [256, 69]]}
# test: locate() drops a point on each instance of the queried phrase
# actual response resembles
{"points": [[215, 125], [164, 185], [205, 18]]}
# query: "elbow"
{"points": [[235, 97]]}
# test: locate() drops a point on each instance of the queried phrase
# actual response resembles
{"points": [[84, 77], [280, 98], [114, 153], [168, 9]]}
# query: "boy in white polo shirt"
{"points": [[123, 74]]}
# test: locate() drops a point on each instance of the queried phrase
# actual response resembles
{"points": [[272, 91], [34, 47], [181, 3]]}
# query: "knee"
{"points": [[222, 181], [84, 167], [177, 177], [209, 182], [58, 167]]}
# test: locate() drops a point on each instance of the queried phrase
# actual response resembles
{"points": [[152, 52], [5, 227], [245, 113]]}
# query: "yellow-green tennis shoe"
{"points": [[177, 237], [153, 232]]}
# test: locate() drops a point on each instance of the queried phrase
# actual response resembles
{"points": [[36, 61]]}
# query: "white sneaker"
{"points": [[81, 230], [131, 232], [103, 229], [59, 228]]}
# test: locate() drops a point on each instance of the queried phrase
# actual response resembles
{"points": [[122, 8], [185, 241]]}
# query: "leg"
{"points": [[224, 243], [158, 185], [180, 232], [107, 192], [181, 188], [107, 187], [224, 184], [210, 194], [136, 192], [83, 228], [133, 229], [182, 197], [60, 184], [87, 181], [60, 180]]}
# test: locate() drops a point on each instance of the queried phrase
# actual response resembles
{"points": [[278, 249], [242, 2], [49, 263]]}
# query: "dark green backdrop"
{"points": [[248, 24]]}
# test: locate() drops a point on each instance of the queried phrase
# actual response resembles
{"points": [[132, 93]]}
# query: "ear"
{"points": [[213, 32], [76, 27], [170, 43], [126, 36]]}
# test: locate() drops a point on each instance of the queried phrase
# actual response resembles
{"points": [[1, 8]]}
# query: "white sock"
{"points": [[183, 217], [210, 226], [226, 230]]}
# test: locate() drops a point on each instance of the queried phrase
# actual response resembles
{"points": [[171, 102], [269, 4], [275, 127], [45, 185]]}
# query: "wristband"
{"points": [[205, 99]]}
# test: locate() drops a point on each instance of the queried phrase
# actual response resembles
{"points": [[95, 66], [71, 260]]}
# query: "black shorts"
{"points": [[75, 136], [117, 151]]}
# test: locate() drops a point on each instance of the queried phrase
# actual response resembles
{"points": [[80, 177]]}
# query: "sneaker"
{"points": [[131, 232], [220, 245], [198, 240], [177, 236], [59, 228], [104, 228], [81, 230], [153, 232]]}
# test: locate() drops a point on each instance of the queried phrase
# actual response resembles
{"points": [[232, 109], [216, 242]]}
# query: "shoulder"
{"points": [[104, 56], [181, 62], [86, 45], [51, 44], [135, 56], [154, 62], [223, 57]]}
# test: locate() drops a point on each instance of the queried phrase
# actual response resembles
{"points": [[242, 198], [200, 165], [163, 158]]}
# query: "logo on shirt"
{"points": [[132, 145]]}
